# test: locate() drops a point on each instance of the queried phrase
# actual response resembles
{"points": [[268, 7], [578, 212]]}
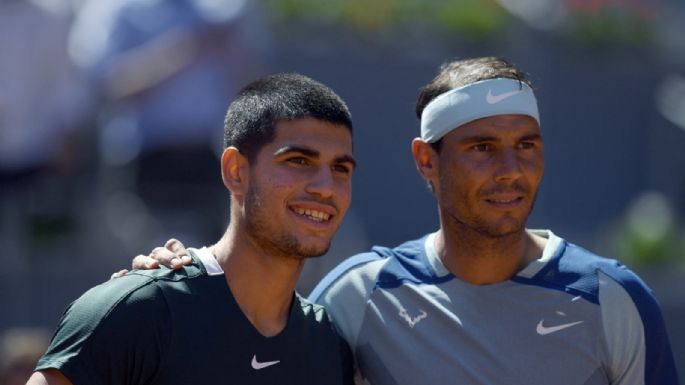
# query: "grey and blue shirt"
{"points": [[568, 318]]}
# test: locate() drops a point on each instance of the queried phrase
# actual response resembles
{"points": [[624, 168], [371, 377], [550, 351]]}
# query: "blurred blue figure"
{"points": [[38, 87], [165, 71], [41, 105]]}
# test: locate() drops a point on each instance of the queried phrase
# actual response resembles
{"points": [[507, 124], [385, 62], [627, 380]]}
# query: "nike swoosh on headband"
{"points": [[494, 99], [491, 97]]}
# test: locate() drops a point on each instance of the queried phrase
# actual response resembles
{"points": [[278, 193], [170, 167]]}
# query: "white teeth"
{"points": [[313, 214]]}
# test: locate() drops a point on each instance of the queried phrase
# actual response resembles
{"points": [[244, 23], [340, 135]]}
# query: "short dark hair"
{"points": [[460, 73], [251, 119]]}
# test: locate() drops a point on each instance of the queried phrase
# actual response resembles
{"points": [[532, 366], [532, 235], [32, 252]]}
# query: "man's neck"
{"points": [[481, 259], [262, 285]]}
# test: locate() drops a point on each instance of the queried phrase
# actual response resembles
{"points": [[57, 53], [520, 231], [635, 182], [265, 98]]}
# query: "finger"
{"points": [[143, 262], [175, 246], [176, 263], [138, 262], [119, 273], [166, 257]]}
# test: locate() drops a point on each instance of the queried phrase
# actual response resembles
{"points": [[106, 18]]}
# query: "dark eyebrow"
{"points": [[346, 159], [313, 154], [532, 137], [301, 150], [478, 139], [486, 138]]}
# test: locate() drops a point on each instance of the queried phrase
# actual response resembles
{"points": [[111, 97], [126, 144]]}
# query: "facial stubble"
{"points": [[477, 222], [271, 238]]}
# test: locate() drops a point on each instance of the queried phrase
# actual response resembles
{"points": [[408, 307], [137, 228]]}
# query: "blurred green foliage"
{"points": [[612, 24], [649, 232], [640, 250], [594, 22], [471, 18]]}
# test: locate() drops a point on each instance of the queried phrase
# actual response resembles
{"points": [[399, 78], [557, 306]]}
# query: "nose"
{"points": [[508, 166], [322, 184]]}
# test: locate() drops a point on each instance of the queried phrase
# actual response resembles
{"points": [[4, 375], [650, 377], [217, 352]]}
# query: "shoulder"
{"points": [[139, 296], [634, 331], [136, 287], [316, 312], [315, 318], [345, 290], [100, 301], [128, 300], [108, 322], [351, 274], [574, 269], [359, 273]]}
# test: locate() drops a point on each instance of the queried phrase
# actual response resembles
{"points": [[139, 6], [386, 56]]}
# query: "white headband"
{"points": [[485, 98]]}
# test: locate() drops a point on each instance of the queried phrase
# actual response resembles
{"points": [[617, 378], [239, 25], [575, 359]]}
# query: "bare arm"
{"points": [[48, 377]]}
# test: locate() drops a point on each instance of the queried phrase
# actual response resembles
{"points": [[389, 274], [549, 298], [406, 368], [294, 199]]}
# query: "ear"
{"points": [[235, 171], [426, 159]]}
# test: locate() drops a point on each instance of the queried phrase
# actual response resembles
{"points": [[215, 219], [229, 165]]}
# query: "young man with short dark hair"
{"points": [[233, 316]]}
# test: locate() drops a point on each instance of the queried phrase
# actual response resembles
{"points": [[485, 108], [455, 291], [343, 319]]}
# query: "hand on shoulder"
{"points": [[173, 255]]}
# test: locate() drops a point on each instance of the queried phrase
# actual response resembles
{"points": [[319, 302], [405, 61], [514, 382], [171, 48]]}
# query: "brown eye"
{"points": [[481, 147], [298, 161], [342, 169]]}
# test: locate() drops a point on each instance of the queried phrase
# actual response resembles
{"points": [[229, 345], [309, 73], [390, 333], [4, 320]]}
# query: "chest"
{"points": [[236, 360], [502, 334], [211, 342]]}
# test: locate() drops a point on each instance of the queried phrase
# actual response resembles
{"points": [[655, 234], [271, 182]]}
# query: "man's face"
{"points": [[489, 172], [300, 188]]}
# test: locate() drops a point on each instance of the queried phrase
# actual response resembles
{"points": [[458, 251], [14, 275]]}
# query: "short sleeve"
{"points": [[114, 334], [638, 349]]}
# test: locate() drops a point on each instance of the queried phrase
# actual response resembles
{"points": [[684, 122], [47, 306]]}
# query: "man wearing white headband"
{"points": [[491, 97], [483, 300]]}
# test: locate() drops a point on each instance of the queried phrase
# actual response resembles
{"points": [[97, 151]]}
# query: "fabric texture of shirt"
{"points": [[568, 318], [184, 327]]}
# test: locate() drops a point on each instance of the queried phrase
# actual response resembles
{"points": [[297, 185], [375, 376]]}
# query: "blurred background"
{"points": [[111, 117]]}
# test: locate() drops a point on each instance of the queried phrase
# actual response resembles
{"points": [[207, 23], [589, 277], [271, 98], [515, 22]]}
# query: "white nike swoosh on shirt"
{"points": [[494, 99], [544, 330], [256, 365]]}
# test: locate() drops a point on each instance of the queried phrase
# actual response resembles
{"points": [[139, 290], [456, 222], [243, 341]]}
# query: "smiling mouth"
{"points": [[314, 215], [505, 203]]}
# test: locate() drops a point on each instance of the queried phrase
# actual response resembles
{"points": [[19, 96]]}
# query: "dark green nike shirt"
{"points": [[184, 327]]}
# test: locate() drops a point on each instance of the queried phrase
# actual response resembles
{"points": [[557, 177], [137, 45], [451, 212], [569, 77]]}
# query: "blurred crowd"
{"points": [[95, 96], [111, 117]]}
